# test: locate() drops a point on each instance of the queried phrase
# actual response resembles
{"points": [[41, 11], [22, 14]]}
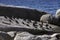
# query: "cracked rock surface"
{"points": [[28, 36], [29, 24]]}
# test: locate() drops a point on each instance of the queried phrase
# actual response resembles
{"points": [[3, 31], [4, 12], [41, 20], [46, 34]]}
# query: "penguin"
{"points": [[57, 13], [45, 18]]}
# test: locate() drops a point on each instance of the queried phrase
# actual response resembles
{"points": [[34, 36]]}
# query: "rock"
{"points": [[11, 33], [5, 36], [28, 36], [24, 36]]}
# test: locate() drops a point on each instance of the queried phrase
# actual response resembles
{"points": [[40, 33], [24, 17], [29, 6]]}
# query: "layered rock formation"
{"points": [[23, 24]]}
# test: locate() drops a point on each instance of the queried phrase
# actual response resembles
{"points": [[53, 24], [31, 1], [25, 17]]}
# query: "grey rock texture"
{"points": [[24, 36], [24, 24], [28, 36], [21, 22]]}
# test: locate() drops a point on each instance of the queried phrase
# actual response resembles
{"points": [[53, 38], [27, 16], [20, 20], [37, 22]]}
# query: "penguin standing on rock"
{"points": [[45, 18], [52, 19]]}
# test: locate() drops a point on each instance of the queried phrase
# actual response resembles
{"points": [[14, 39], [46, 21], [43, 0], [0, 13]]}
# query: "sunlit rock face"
{"points": [[24, 36], [25, 23], [28, 36], [20, 17]]}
